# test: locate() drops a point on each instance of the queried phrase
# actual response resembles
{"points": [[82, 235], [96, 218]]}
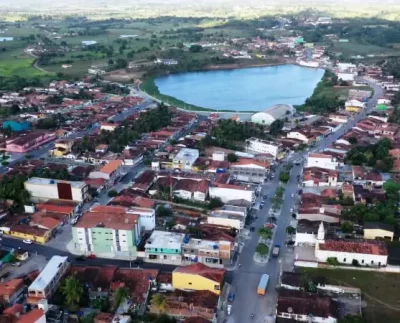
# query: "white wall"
{"points": [[305, 238], [183, 194], [232, 223], [199, 196], [326, 163], [147, 220], [347, 257], [306, 318], [42, 191], [99, 175], [229, 194], [298, 136], [262, 147]]}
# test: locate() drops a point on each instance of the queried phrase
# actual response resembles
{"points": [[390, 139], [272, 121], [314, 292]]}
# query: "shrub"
{"points": [[332, 261], [112, 193]]}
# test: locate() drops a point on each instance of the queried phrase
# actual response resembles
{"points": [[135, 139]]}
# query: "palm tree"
{"points": [[159, 302], [72, 290], [120, 295]]}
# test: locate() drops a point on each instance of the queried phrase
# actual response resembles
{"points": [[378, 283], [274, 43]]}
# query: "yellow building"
{"points": [[377, 230], [62, 147], [354, 106], [353, 109], [26, 232], [198, 277]]}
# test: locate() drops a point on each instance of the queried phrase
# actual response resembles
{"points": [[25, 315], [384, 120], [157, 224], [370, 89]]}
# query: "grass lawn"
{"points": [[22, 67], [351, 48], [380, 291]]}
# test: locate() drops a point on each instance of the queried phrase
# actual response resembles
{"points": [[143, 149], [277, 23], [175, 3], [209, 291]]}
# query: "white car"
{"points": [[229, 309], [291, 210], [27, 241], [292, 194]]}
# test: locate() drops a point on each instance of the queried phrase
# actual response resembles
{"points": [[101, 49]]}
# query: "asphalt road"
{"points": [[247, 276]]}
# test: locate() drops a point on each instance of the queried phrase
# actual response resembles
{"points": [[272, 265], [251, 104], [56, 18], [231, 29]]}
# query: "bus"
{"points": [[262, 286]]}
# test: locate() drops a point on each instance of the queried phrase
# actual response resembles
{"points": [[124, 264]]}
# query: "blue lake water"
{"points": [[249, 89]]}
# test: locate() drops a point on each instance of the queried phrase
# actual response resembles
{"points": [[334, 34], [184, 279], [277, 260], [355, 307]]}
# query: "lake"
{"points": [[248, 89]]}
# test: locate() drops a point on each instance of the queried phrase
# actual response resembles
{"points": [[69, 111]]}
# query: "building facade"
{"points": [[164, 247]]}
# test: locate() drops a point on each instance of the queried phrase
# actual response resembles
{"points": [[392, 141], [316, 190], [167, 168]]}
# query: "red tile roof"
{"points": [[112, 166], [32, 316], [372, 248], [214, 274]]}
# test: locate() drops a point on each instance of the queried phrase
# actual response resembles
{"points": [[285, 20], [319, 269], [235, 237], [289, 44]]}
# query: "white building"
{"points": [[364, 253], [348, 77], [324, 161], [306, 138], [277, 112], [185, 159], [229, 216], [44, 189], [48, 280], [250, 170], [262, 146], [164, 247], [307, 231], [147, 217], [354, 104], [228, 192]]}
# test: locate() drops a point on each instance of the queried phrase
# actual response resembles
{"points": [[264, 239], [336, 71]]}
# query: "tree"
{"points": [[215, 202], [265, 233], [112, 193], [353, 140], [163, 211], [290, 230], [347, 227], [262, 249], [284, 177], [232, 158], [195, 48], [121, 63], [119, 296], [72, 290], [159, 302], [276, 127]]}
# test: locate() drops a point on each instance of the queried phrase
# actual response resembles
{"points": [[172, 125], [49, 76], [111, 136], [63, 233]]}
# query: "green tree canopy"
{"points": [[72, 290], [262, 249]]}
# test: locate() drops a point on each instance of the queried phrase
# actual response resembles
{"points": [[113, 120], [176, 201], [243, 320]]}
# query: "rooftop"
{"points": [[10, 287], [46, 181], [48, 273], [378, 225], [111, 166], [364, 247], [32, 316], [200, 269], [108, 220], [164, 239]]}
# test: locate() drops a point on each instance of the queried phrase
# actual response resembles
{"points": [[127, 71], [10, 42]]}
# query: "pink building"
{"points": [[29, 141]]}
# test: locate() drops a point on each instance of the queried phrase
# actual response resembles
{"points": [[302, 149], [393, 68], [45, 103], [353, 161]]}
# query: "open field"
{"points": [[19, 67], [353, 49], [380, 290]]}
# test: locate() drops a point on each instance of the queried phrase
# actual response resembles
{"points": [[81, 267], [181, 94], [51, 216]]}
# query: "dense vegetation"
{"points": [[376, 156], [323, 100], [12, 188], [117, 140]]}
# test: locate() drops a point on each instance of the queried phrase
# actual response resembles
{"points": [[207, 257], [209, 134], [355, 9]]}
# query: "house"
{"points": [[62, 147], [229, 192], [322, 160], [190, 189], [354, 106], [109, 172], [12, 290], [378, 230], [164, 247], [182, 304], [262, 146], [21, 254], [305, 307], [35, 316], [276, 112], [185, 159], [48, 280], [44, 189], [305, 137], [16, 126], [229, 216], [27, 232], [29, 141], [339, 117], [107, 230], [316, 176], [211, 253], [198, 277], [318, 214], [250, 170], [108, 126]]}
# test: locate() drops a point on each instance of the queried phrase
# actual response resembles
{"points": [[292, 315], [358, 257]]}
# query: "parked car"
{"points": [[291, 210], [231, 297], [229, 309], [27, 241], [292, 194], [252, 229], [265, 197], [16, 264]]}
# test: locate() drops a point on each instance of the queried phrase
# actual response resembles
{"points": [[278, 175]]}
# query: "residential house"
{"points": [[185, 159], [27, 232], [262, 146], [250, 170], [354, 106], [62, 147], [109, 172], [378, 230], [107, 230], [316, 176], [305, 307], [322, 160], [190, 189], [339, 117], [229, 216], [198, 277], [48, 280], [215, 254], [108, 126], [44, 189], [164, 247], [306, 137], [229, 192], [35, 316], [12, 290]]}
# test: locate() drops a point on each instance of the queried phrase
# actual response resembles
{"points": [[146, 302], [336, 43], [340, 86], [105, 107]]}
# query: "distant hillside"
{"points": [[216, 8]]}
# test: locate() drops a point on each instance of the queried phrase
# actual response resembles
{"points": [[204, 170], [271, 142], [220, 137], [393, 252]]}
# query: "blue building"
{"points": [[16, 126]]}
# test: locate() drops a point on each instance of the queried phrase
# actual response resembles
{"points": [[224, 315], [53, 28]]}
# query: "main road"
{"points": [[247, 276]]}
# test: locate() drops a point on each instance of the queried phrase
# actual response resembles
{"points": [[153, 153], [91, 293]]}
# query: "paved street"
{"points": [[247, 277]]}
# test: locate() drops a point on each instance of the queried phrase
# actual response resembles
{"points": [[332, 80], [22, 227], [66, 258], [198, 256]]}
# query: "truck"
{"points": [[262, 286], [275, 251]]}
